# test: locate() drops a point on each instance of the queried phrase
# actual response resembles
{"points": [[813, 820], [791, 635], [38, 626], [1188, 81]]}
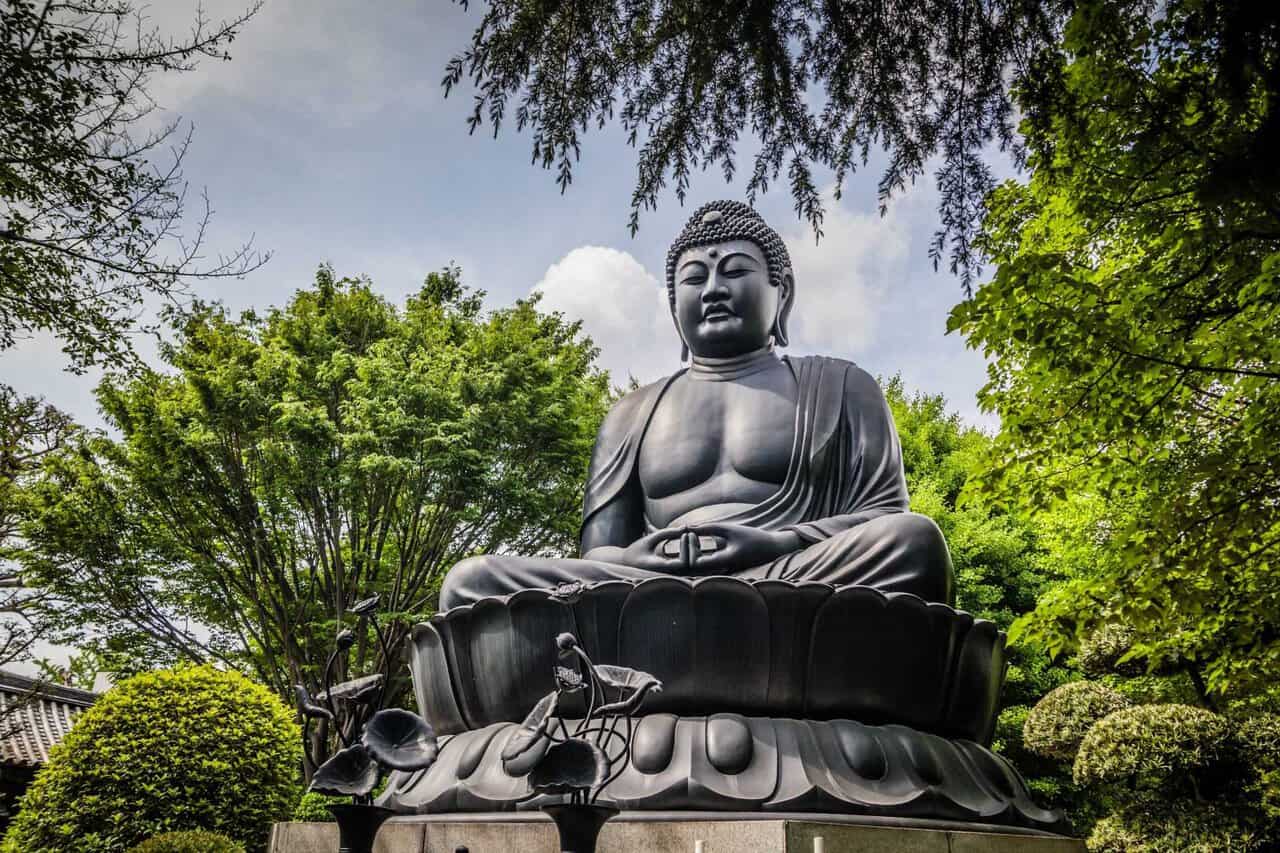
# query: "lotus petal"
{"points": [[400, 740], [309, 708], [533, 729], [365, 606], [349, 772], [575, 765]]}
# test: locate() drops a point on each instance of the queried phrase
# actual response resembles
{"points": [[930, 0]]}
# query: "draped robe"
{"points": [[844, 496]]}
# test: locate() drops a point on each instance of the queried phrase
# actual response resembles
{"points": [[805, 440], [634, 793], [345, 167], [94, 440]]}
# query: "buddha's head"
{"points": [[729, 281]]}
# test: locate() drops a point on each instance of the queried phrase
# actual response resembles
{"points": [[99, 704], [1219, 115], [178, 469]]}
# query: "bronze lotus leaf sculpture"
{"points": [[372, 738], [579, 762]]}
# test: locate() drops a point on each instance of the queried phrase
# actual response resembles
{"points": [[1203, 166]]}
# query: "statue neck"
{"points": [[734, 367]]}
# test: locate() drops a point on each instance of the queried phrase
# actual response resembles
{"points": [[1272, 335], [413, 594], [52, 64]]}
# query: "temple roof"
{"points": [[35, 715]]}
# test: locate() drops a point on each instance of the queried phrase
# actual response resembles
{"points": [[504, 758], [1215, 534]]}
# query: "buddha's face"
{"points": [[725, 304]]}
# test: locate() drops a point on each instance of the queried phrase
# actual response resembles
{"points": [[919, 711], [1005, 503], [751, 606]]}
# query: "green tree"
{"points": [[90, 213], [1003, 560], [818, 84], [1133, 332], [30, 430], [286, 466]]}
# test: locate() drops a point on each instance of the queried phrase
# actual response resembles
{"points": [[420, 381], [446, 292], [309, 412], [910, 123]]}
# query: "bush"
{"points": [[1177, 826], [1258, 743], [1057, 724], [314, 807], [189, 842], [1149, 745], [192, 748]]}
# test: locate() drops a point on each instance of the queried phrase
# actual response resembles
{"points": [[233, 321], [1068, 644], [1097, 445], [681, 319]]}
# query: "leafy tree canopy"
{"points": [[286, 466], [90, 212], [816, 84], [1133, 331]]}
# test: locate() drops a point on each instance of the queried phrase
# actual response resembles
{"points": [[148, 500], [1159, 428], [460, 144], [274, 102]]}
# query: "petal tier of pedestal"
{"points": [[722, 645], [732, 763]]}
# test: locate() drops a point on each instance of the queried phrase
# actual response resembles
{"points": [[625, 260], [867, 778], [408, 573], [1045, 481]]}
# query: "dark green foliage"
{"points": [[818, 84], [1101, 651], [1152, 746], [88, 204], [193, 748], [1133, 332], [1258, 743], [189, 842], [1058, 723]]}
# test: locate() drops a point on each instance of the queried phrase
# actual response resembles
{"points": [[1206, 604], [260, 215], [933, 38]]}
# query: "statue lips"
{"points": [[717, 313]]}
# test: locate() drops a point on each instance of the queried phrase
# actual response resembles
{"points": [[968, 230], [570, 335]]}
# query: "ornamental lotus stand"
{"points": [[778, 697]]}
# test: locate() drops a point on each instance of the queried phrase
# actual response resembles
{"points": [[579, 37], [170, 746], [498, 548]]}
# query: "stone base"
{"points": [[650, 833]]}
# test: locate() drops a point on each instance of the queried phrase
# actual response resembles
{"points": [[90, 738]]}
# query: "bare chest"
{"points": [[721, 436]]}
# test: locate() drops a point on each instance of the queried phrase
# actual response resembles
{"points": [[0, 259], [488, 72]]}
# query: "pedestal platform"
{"points": [[679, 833]]}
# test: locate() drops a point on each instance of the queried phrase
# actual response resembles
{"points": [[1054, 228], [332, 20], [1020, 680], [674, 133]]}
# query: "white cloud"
{"points": [[622, 306], [842, 281]]}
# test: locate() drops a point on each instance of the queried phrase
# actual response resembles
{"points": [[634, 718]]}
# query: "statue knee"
{"points": [[919, 542], [464, 583]]}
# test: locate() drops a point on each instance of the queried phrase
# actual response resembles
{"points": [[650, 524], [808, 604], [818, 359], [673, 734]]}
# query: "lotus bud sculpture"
{"points": [[578, 763], [372, 738]]}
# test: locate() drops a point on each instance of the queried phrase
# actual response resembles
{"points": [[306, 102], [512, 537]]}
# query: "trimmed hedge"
{"points": [[1149, 745], [1177, 826], [1057, 724], [1258, 743], [192, 748], [189, 842]]}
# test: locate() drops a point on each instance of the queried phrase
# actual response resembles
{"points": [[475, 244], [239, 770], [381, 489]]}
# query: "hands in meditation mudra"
{"points": [[744, 464]]}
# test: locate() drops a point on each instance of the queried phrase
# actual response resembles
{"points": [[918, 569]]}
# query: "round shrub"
{"points": [[1058, 722], [192, 748], [189, 842], [1178, 826], [1100, 653], [1258, 744], [1149, 745]]}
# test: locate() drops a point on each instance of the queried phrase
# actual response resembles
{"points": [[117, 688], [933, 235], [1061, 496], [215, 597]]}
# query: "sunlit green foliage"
{"points": [[287, 465], [1133, 332]]}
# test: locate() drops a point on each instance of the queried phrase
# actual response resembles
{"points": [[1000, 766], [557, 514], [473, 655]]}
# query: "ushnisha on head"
{"points": [[729, 282]]}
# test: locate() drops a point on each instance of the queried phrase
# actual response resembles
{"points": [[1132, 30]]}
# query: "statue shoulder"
{"points": [[629, 415], [856, 380], [633, 404]]}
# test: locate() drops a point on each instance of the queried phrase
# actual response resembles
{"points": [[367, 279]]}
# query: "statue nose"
{"points": [[715, 289]]}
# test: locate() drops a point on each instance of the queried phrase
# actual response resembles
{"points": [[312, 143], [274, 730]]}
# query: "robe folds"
{"points": [[845, 497]]}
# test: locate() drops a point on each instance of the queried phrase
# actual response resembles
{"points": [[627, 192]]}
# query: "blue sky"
{"points": [[327, 139]]}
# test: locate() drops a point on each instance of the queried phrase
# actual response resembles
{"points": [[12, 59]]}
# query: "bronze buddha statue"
{"points": [[746, 539], [744, 464]]}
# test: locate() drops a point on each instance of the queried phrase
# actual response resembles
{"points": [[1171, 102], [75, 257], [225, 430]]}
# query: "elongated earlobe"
{"points": [[684, 352], [785, 300]]}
